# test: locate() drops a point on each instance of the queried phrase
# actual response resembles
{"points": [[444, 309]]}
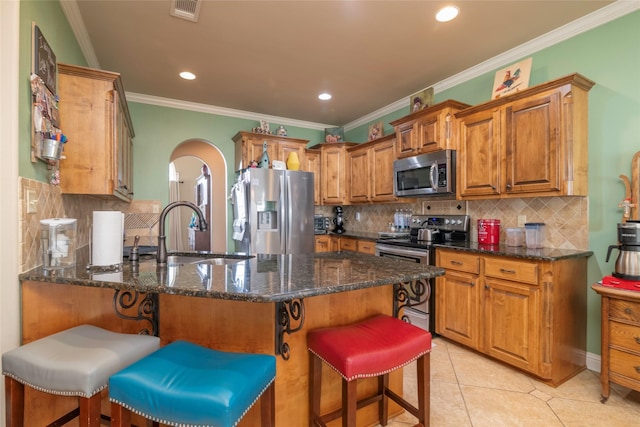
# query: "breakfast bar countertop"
{"points": [[261, 278]]}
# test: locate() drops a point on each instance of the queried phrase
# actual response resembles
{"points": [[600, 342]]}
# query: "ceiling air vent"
{"points": [[185, 9]]}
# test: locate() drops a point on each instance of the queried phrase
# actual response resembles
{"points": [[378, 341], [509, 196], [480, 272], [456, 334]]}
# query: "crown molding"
{"points": [[594, 19], [587, 22], [220, 111], [74, 17]]}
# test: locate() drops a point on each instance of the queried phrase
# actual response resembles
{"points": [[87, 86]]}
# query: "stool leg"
{"points": [[424, 389], [349, 402], [90, 410], [383, 385], [315, 388], [120, 416], [14, 402], [268, 406]]}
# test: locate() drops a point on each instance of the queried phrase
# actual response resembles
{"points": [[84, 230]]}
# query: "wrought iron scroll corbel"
{"points": [[147, 308], [286, 311], [410, 294]]}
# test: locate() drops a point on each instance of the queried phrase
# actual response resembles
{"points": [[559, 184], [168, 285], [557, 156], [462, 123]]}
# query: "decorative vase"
{"points": [[281, 131], [293, 162]]}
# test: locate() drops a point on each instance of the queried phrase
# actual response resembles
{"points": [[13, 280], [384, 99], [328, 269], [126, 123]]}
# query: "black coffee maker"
{"points": [[628, 261], [338, 221]]}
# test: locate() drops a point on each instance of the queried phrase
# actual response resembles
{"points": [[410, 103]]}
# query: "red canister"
{"points": [[489, 231]]}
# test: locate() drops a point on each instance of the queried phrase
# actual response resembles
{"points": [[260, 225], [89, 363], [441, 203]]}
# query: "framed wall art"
{"points": [[334, 134], [421, 100], [43, 62], [513, 78], [376, 130]]}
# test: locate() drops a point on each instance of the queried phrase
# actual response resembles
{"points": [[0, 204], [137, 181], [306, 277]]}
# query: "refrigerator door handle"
{"points": [[282, 220], [289, 205]]}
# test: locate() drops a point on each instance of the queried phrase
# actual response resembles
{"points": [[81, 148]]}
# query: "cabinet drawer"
{"points": [[459, 261], [366, 247], [624, 310], [525, 272], [348, 244], [625, 336], [623, 363]]}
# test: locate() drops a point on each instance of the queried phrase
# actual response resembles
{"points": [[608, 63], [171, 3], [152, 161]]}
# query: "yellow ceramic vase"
{"points": [[293, 162]]}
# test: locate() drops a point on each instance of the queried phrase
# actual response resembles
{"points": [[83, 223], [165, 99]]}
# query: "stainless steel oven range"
{"points": [[425, 231]]}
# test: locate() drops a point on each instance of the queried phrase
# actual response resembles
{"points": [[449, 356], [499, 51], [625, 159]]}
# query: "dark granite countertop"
{"points": [[546, 254], [262, 278]]}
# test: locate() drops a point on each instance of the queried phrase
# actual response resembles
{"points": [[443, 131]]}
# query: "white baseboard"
{"points": [[593, 362]]}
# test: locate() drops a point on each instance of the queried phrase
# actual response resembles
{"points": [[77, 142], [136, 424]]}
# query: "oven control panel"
{"points": [[441, 222]]}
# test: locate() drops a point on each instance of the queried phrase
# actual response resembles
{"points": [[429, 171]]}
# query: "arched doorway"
{"points": [[211, 156]]}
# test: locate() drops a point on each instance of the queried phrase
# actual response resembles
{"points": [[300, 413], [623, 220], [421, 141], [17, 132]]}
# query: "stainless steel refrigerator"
{"points": [[277, 214]]}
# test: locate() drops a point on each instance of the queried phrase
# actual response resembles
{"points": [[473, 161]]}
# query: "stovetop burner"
{"points": [[453, 228]]}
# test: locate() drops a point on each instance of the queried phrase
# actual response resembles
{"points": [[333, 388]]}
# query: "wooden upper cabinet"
{"points": [[428, 130], [95, 117], [312, 164], [532, 143], [334, 165], [371, 170], [249, 146]]}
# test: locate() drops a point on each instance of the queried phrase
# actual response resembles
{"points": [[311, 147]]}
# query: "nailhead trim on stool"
{"points": [[187, 385], [370, 348], [74, 362]]}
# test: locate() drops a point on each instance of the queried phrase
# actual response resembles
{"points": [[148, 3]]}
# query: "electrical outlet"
{"points": [[357, 216], [522, 219], [32, 202]]}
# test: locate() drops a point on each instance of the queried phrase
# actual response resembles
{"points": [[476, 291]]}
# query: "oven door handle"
{"points": [[404, 251]]}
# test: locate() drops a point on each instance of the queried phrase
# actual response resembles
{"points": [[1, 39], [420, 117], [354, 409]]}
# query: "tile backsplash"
{"points": [[51, 203], [566, 218]]}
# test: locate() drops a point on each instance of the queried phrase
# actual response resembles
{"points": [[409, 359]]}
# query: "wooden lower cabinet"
{"points": [[332, 243], [620, 359], [528, 313]]}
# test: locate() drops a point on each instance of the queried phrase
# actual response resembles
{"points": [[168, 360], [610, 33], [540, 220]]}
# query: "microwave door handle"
{"points": [[433, 170]]}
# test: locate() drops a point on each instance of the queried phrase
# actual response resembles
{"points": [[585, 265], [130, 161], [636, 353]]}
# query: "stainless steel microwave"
{"points": [[429, 174]]}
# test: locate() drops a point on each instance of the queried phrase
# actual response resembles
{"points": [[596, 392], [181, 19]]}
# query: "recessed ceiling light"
{"points": [[187, 75], [447, 13], [324, 96]]}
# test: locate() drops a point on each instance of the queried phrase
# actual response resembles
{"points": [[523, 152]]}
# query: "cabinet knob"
{"points": [[508, 186], [637, 368], [472, 284], [628, 311], [493, 187], [487, 287], [637, 340]]}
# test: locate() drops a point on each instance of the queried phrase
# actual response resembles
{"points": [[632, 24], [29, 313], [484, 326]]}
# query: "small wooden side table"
{"points": [[620, 338]]}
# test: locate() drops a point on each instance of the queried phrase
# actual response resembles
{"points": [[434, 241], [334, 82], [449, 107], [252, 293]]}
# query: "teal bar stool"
{"points": [[184, 384], [74, 362]]}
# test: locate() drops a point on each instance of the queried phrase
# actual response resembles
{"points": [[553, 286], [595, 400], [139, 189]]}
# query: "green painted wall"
{"points": [[609, 55], [53, 24]]}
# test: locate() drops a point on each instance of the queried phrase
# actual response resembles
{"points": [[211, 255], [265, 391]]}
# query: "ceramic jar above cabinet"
{"points": [[427, 130], [529, 144]]}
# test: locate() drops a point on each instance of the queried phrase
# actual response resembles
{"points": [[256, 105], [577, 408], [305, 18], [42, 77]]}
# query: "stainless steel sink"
{"points": [[187, 259]]}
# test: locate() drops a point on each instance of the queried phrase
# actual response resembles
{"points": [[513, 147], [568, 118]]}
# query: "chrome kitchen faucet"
{"points": [[161, 257]]}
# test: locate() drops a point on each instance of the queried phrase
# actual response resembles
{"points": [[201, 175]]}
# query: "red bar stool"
{"points": [[74, 362], [371, 348]]}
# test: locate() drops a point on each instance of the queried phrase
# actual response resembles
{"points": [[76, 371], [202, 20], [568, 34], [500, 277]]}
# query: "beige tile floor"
{"points": [[468, 389]]}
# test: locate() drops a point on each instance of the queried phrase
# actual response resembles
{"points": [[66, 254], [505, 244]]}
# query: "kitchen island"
{"points": [[264, 304]]}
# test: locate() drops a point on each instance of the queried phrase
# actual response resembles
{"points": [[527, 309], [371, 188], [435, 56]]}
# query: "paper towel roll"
{"points": [[107, 238]]}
